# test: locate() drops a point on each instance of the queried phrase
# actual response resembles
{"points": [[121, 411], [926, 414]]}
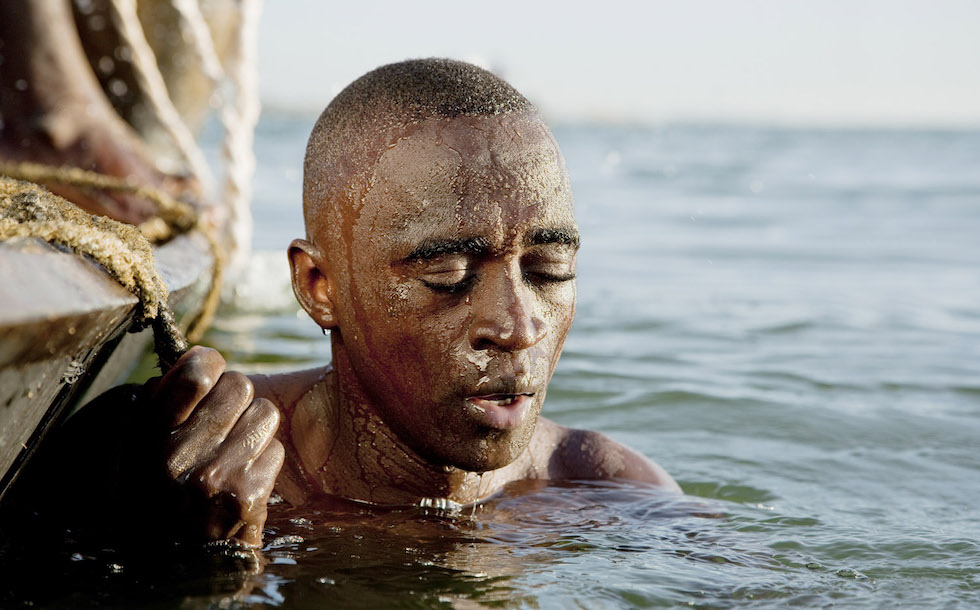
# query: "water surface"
{"points": [[787, 320]]}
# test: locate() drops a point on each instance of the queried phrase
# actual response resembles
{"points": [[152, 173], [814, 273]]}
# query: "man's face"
{"points": [[457, 288]]}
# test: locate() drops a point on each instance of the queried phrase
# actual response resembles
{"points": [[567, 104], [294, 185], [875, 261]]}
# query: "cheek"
{"points": [[558, 308], [397, 298], [411, 331]]}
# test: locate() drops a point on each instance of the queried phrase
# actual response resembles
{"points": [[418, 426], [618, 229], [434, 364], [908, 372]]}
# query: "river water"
{"points": [[787, 320]]}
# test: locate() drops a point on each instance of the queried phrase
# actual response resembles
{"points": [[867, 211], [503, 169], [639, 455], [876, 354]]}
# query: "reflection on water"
{"points": [[535, 544], [576, 543], [504, 550]]}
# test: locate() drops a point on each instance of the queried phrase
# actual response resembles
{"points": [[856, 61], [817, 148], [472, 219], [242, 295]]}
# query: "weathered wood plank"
{"points": [[61, 318]]}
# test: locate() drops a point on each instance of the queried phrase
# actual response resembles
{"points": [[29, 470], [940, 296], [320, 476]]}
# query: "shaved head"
{"points": [[373, 112]]}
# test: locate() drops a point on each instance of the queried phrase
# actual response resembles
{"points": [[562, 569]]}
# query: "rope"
{"points": [[173, 218], [238, 116], [195, 29], [92, 235], [238, 120], [28, 210]]}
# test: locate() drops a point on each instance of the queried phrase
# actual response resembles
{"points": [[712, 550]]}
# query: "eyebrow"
{"points": [[434, 248], [565, 237], [477, 246]]}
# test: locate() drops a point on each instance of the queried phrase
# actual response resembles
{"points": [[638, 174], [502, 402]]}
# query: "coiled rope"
{"points": [[124, 251]]}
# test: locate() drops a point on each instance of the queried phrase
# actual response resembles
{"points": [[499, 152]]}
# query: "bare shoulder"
{"points": [[585, 454], [286, 389]]}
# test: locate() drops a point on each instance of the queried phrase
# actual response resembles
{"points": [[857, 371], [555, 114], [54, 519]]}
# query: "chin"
{"points": [[487, 454], [480, 466]]}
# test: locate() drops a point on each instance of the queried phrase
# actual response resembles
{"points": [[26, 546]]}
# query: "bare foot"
{"points": [[53, 111], [95, 139]]}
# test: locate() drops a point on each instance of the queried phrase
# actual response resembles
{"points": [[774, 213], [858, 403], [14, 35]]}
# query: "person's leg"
{"points": [[53, 111]]}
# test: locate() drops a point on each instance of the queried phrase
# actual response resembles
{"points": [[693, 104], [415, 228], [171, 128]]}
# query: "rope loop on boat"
{"points": [[45, 215], [29, 210]]}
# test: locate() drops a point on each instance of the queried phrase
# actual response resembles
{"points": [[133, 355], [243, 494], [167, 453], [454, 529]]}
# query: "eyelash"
{"points": [[451, 288], [550, 278], [466, 283]]}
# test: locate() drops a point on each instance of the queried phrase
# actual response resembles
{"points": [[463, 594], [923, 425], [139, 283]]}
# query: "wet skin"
{"points": [[449, 296], [220, 448], [457, 290]]}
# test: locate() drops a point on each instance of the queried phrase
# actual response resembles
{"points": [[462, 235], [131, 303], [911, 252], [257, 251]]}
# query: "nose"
{"points": [[506, 312]]}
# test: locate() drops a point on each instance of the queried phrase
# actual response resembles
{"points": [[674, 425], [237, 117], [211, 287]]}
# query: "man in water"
{"points": [[440, 255]]}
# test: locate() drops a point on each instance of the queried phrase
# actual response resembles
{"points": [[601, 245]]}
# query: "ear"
{"points": [[311, 284]]}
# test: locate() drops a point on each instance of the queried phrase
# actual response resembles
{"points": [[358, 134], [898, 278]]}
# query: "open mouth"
{"points": [[502, 399], [500, 411]]}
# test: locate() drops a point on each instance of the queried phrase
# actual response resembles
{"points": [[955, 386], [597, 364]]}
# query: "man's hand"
{"points": [[221, 453]]}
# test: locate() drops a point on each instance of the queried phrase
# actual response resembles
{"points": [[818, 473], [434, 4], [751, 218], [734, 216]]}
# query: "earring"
{"points": [[324, 331]]}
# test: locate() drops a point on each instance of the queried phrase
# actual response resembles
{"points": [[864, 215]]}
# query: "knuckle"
{"points": [[211, 480], [197, 373], [200, 357], [175, 466], [238, 383], [203, 353], [178, 463], [258, 433], [266, 412]]}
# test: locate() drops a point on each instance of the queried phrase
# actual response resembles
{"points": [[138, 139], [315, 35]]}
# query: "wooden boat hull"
{"points": [[63, 333]]}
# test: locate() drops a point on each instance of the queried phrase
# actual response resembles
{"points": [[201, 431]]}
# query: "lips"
{"points": [[500, 411]]}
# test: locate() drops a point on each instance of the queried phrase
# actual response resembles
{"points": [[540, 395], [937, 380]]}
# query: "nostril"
{"points": [[483, 344]]}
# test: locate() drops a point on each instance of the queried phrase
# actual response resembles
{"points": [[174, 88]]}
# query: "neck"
{"points": [[364, 459]]}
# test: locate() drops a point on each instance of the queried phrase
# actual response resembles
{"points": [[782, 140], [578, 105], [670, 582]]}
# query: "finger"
{"points": [[263, 473], [225, 467], [218, 412], [191, 378], [267, 466], [239, 510], [252, 433], [223, 520], [193, 444]]}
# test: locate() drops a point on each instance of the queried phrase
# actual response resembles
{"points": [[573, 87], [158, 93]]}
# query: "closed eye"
{"points": [[448, 273], [440, 284], [549, 264], [549, 277]]}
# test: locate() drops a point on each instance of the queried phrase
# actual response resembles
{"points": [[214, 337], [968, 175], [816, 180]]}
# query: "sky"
{"points": [[800, 62]]}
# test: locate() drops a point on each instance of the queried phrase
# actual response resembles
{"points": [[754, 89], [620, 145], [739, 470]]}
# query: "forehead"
{"points": [[469, 175]]}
